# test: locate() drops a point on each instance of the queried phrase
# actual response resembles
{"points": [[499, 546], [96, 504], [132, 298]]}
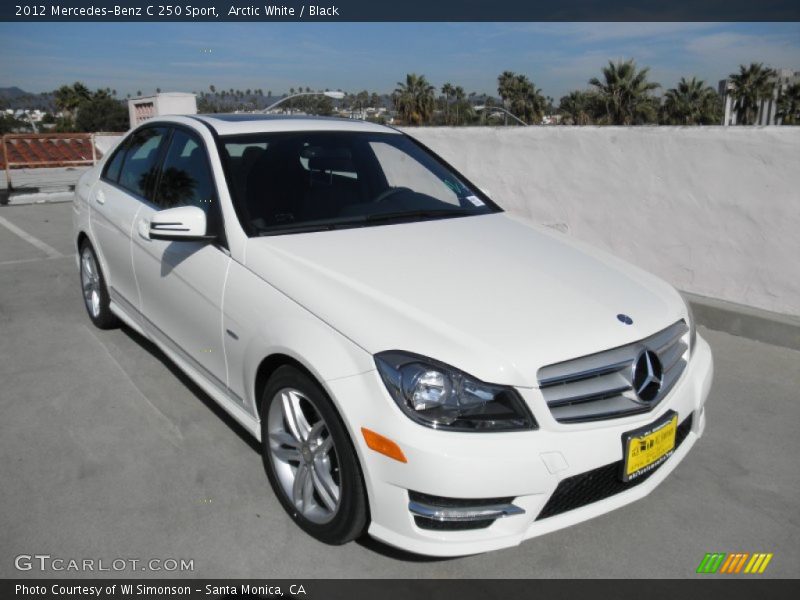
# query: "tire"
{"points": [[310, 460], [94, 290]]}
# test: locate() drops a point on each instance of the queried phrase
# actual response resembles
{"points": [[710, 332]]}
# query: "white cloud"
{"points": [[731, 48]]}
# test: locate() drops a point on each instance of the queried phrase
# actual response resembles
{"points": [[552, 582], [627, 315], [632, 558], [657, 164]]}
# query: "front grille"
{"points": [[599, 386], [598, 484]]}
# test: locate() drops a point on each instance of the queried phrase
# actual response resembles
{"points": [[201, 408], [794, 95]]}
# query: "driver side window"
{"points": [[186, 178]]}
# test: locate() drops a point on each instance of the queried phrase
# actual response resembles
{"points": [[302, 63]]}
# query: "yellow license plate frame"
{"points": [[645, 449]]}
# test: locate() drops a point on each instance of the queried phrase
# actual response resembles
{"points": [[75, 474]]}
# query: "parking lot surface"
{"points": [[109, 452]]}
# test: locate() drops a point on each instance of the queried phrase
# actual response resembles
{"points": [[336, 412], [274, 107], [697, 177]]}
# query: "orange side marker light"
{"points": [[383, 445]]}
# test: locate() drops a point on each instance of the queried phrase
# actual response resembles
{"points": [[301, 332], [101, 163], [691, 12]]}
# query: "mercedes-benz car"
{"points": [[416, 363]]}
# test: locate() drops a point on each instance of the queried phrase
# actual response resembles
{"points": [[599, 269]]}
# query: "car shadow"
{"points": [[387, 551], [210, 403]]}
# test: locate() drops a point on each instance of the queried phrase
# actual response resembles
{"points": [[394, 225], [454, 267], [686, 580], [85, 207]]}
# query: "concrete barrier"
{"points": [[713, 210]]}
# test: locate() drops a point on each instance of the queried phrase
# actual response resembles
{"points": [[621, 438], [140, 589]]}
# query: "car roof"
{"points": [[244, 123]]}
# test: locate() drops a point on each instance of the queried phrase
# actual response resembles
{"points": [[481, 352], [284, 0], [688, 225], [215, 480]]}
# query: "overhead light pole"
{"points": [[500, 108], [330, 94]]}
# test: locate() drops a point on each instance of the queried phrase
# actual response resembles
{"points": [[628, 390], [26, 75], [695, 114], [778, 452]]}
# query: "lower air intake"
{"points": [[599, 484]]}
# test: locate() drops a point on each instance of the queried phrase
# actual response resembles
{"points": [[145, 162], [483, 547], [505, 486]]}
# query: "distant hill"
{"points": [[12, 92], [14, 97]]}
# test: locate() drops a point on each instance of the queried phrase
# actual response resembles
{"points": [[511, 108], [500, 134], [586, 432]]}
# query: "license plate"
{"points": [[648, 447]]}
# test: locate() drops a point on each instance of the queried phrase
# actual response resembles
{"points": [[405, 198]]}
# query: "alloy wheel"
{"points": [[304, 455]]}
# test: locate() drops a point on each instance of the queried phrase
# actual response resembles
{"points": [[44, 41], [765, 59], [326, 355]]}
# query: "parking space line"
{"points": [[30, 260], [49, 250]]}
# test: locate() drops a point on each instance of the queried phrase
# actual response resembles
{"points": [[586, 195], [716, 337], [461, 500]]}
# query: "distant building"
{"points": [[168, 103], [767, 107]]}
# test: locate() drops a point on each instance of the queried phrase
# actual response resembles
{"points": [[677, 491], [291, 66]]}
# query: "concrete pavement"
{"points": [[108, 451]]}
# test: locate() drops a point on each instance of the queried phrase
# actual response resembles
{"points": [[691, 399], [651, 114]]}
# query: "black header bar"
{"points": [[401, 11]]}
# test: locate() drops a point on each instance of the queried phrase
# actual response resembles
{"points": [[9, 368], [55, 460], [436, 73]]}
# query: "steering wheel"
{"points": [[391, 192]]}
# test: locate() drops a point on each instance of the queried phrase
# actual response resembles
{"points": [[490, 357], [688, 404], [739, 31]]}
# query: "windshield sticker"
{"points": [[475, 200]]}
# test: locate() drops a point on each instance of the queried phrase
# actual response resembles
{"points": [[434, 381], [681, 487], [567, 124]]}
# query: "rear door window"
{"points": [[114, 164]]}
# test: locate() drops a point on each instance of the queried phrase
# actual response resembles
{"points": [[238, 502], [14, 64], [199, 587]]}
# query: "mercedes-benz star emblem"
{"points": [[647, 376]]}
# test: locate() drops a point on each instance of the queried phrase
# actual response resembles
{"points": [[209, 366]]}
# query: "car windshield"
{"points": [[292, 182]]}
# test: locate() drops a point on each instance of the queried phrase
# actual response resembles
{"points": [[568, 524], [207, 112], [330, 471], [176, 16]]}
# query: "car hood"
{"points": [[492, 295]]}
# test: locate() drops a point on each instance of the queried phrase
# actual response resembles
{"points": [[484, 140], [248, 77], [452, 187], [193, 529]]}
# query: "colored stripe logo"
{"points": [[734, 563]]}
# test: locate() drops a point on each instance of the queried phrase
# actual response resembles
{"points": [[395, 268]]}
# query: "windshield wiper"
{"points": [[435, 213], [360, 221], [296, 229]]}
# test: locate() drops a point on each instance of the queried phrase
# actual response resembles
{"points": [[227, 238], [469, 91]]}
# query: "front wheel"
{"points": [[310, 460]]}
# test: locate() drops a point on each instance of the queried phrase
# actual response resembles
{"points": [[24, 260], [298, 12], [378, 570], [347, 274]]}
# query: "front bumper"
{"points": [[524, 466]]}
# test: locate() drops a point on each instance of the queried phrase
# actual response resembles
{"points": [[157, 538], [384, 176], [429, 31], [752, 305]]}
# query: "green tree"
{"points": [[749, 86], [521, 97], [578, 108], [10, 124], [69, 97], [691, 103], [459, 95], [789, 105], [625, 94], [101, 113], [447, 91], [414, 99]]}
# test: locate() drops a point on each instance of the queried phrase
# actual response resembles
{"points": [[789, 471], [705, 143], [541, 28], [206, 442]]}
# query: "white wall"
{"points": [[713, 210]]}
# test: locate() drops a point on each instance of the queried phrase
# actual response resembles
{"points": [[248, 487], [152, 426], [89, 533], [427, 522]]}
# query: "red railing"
{"points": [[42, 150]]}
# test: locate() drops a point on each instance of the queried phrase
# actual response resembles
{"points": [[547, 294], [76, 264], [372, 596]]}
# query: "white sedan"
{"points": [[416, 363]]}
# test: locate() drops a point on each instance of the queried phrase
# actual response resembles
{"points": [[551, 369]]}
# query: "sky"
{"points": [[557, 57]]}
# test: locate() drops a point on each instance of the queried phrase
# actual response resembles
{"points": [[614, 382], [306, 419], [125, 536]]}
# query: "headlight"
{"points": [[439, 396]]}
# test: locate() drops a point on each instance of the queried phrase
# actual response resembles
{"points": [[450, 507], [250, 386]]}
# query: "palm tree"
{"points": [[68, 98], [749, 86], [414, 99], [578, 107], [625, 93], [691, 103], [459, 95], [789, 105], [521, 96], [212, 89], [447, 91]]}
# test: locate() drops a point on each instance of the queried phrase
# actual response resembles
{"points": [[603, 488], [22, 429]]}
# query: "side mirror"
{"points": [[182, 223]]}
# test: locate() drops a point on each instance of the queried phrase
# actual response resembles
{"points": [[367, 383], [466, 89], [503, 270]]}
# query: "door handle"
{"points": [[100, 197], [144, 229]]}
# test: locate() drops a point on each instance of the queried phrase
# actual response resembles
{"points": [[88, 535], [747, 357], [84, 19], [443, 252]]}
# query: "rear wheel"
{"points": [[95, 293], [310, 460]]}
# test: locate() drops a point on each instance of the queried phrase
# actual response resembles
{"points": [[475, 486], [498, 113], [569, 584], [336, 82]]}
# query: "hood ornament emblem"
{"points": [[622, 318]]}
